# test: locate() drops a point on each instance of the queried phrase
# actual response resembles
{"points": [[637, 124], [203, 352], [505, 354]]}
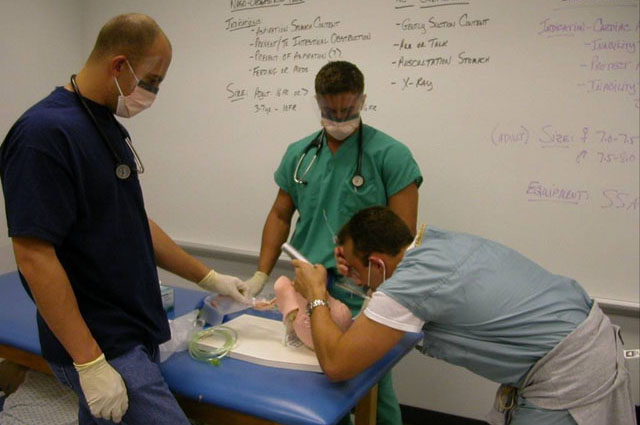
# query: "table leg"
{"points": [[367, 407], [209, 413]]}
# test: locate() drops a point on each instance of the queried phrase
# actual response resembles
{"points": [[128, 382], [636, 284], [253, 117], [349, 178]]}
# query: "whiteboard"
{"points": [[522, 115]]}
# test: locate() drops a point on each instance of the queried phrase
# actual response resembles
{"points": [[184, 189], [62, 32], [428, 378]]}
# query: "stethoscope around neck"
{"points": [[357, 180], [123, 170]]}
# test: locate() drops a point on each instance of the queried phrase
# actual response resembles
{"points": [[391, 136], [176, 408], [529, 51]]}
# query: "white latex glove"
{"points": [[225, 284], [256, 282], [103, 389]]}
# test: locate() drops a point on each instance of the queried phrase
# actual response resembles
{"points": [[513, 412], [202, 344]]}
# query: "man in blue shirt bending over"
{"points": [[84, 246], [483, 306]]}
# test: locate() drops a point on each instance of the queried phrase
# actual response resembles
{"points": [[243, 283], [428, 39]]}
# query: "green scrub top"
{"points": [[329, 199]]}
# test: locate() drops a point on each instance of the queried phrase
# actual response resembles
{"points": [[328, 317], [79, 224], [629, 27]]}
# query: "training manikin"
{"points": [[293, 307]]}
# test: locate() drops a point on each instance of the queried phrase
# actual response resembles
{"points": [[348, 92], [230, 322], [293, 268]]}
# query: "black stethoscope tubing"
{"points": [[357, 180], [122, 170]]}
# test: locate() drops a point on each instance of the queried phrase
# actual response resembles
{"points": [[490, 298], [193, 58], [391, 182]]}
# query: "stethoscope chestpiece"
{"points": [[357, 181], [123, 171]]}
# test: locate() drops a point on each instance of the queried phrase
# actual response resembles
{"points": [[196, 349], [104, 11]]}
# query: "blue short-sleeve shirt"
{"points": [[485, 306]]}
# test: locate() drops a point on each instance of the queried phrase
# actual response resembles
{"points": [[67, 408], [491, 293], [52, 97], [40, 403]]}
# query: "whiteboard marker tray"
{"points": [[260, 341]]}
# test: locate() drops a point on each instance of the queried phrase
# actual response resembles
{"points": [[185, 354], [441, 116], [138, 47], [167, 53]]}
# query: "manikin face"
{"points": [[372, 275]]}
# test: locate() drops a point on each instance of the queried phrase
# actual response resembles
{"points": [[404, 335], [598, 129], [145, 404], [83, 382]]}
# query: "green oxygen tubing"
{"points": [[212, 355]]}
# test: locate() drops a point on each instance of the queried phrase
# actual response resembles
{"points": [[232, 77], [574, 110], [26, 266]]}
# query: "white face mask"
{"points": [[139, 99], [340, 130]]}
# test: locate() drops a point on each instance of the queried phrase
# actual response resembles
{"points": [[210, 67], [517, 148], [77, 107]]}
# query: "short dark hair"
{"points": [[339, 77], [376, 229], [132, 34]]}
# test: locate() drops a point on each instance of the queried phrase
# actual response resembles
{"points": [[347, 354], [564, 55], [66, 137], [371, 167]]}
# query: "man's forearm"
{"points": [[170, 257], [55, 299], [326, 335], [343, 355], [274, 234]]}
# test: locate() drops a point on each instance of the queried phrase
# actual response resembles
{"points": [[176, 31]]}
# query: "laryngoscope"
{"points": [[293, 253]]}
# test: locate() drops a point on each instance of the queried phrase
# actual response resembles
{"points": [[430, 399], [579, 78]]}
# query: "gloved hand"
{"points": [[103, 389], [225, 284], [256, 282]]}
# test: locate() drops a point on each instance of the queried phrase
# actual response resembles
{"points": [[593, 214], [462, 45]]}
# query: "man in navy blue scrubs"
{"points": [[85, 248]]}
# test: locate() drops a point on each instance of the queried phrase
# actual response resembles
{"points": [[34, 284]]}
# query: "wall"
{"points": [[40, 48]]}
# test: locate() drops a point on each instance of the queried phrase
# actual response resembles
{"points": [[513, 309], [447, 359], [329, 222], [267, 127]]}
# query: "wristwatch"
{"points": [[316, 303]]}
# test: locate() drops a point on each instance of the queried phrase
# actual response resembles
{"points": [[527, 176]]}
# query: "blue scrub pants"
{"points": [[150, 401]]}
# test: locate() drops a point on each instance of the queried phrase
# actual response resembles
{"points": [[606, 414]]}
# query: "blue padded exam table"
{"points": [[236, 392]]}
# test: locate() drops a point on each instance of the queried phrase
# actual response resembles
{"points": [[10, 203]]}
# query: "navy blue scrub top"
{"points": [[60, 186]]}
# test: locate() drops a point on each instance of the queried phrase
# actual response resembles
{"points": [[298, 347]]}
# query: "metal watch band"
{"points": [[316, 303]]}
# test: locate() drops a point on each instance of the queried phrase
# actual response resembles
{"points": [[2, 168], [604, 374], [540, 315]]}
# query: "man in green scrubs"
{"points": [[330, 175]]}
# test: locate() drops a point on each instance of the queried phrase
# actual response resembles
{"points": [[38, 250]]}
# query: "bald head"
{"points": [[131, 49], [133, 35]]}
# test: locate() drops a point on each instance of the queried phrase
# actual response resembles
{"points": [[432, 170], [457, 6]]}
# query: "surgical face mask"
{"points": [[340, 130], [140, 98]]}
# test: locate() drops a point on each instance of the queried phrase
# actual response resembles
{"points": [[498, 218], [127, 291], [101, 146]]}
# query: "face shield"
{"points": [[340, 113]]}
